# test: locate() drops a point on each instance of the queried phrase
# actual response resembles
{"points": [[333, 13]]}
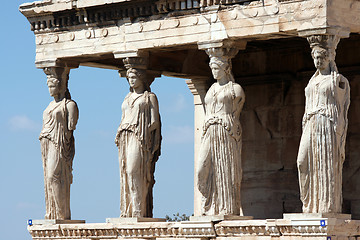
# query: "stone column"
{"points": [[198, 87], [57, 144], [322, 146], [138, 139], [218, 169]]}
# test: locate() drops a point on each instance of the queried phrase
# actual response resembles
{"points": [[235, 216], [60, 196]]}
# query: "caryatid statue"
{"points": [[322, 146], [57, 144], [138, 139], [219, 169]]}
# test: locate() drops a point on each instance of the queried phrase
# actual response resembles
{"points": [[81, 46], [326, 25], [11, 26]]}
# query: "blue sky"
{"points": [[99, 93]]}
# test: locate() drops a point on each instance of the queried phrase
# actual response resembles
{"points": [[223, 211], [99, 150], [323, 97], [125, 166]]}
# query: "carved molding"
{"points": [[188, 229], [104, 15], [303, 230], [107, 14], [118, 231], [207, 3], [164, 6]]}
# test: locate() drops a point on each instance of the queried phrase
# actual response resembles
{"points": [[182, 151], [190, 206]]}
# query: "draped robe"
{"points": [[322, 146], [139, 149], [58, 150], [219, 172]]}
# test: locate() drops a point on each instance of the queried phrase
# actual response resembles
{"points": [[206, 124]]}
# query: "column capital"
{"points": [[140, 63], [223, 54], [61, 76], [131, 54], [136, 62], [57, 72], [328, 42], [341, 32], [239, 44], [57, 63]]}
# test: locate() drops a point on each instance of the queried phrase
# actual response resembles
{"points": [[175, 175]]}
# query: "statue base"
{"points": [[297, 216], [217, 218], [54, 221], [134, 220], [257, 229]]}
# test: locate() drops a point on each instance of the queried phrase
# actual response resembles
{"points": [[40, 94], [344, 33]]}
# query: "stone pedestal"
{"points": [[53, 221], [279, 229], [297, 216], [134, 220], [218, 218]]}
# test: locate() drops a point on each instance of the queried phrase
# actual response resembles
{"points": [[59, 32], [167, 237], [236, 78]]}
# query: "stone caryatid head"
{"points": [[137, 76], [137, 67], [221, 58], [57, 81], [323, 50]]}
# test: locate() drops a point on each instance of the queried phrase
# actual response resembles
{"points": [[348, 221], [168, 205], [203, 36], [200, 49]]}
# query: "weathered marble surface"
{"points": [[158, 26], [133, 220], [283, 229], [271, 132], [54, 221], [322, 146], [57, 144], [138, 139], [219, 169]]}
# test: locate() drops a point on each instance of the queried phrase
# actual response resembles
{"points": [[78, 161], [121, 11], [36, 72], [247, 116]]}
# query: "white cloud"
{"points": [[23, 122], [179, 134]]}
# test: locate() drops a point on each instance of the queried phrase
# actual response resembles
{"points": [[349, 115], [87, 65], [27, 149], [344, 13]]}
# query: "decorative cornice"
{"points": [[47, 16], [207, 3], [92, 16]]}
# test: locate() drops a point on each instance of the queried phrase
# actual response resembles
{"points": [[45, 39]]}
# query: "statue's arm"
{"points": [[73, 115], [346, 87], [306, 111], [155, 123], [239, 100]]}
